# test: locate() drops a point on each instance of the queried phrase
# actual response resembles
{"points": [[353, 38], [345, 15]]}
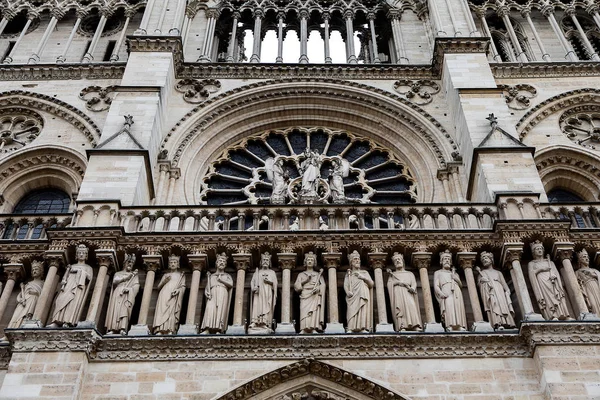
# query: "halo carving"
{"points": [[307, 166]]}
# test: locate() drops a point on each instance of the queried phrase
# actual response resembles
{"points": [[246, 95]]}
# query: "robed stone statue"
{"points": [[589, 280], [28, 296], [310, 169], [495, 293], [170, 297], [402, 289], [263, 297], [126, 285], [547, 285], [73, 291], [448, 292], [311, 287], [218, 298], [358, 285]]}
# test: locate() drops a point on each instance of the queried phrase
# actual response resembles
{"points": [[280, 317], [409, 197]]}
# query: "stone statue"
{"points": [[126, 285], [495, 294], [218, 298], [339, 170], [279, 178], [447, 287], [547, 285], [73, 291], [310, 169], [28, 296], [358, 285], [264, 296], [170, 297], [589, 280], [311, 287], [402, 288]]}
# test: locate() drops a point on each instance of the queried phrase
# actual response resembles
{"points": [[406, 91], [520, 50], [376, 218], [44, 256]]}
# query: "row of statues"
{"points": [[310, 287]]}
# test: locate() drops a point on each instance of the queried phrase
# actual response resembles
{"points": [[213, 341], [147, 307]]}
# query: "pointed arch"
{"points": [[321, 380]]}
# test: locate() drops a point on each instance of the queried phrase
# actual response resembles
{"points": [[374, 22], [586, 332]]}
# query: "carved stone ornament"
{"points": [[582, 126], [18, 127], [418, 91], [196, 91], [89, 24], [518, 97], [97, 98], [312, 394]]}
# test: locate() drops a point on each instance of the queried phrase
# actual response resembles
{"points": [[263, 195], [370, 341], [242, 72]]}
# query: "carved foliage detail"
{"points": [[97, 98], [419, 91], [518, 96], [196, 91]]}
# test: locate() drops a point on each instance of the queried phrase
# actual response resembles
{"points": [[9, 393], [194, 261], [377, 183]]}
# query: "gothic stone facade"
{"points": [[315, 199]]}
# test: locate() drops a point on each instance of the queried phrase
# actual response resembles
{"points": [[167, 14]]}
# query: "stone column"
{"points": [[503, 13], [54, 258], [174, 174], [371, 18], [212, 15], [351, 56], [258, 16], [563, 253], [287, 261], [4, 22], [89, 55], [198, 263], [303, 37], [56, 15], [453, 170], [232, 41], [14, 271], [526, 13], [486, 32], [511, 257], [377, 261], [153, 263], [114, 57], [422, 260], [280, 18], [548, 12], [106, 258], [466, 260], [242, 263], [30, 17], [63, 57], [586, 41], [326, 18], [177, 27], [397, 35], [331, 261], [142, 30]]}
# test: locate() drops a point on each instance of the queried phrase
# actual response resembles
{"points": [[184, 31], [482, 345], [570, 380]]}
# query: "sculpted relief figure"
{"points": [[170, 297], [447, 287], [339, 170], [310, 169], [218, 298], [279, 178], [264, 296], [589, 280], [28, 296], [126, 285], [358, 285], [73, 291], [311, 287], [547, 285], [495, 294], [402, 288]]}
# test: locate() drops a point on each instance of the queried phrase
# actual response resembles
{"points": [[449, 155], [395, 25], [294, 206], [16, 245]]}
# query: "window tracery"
{"points": [[18, 127], [307, 166], [582, 127]]}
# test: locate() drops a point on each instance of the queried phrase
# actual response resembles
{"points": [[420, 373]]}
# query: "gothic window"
{"points": [[563, 196], [18, 127], [46, 201], [502, 41], [582, 128], [576, 39], [307, 166]]}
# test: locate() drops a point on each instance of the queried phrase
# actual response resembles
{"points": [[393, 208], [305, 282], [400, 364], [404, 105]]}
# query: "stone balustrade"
{"points": [[26, 227]]}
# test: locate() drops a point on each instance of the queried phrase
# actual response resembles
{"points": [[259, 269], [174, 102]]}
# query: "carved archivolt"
{"points": [[41, 102]]}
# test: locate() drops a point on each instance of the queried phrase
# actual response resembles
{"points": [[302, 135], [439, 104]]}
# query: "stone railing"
{"points": [[582, 215], [290, 217], [31, 226]]}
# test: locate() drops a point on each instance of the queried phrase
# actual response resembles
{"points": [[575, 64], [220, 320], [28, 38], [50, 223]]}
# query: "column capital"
{"points": [[198, 261], [258, 13], [570, 11], [547, 10], [326, 16], [394, 14], [58, 13], [242, 261], [511, 252], [562, 250], [174, 173], [303, 13], [421, 259], [332, 260], [466, 259], [106, 258], [152, 262], [14, 271], [349, 14], [213, 13], [377, 260], [371, 16], [286, 260], [526, 11]]}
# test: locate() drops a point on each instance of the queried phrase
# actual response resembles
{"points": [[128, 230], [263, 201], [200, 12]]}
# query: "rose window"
{"points": [[307, 166], [18, 127], [583, 128]]}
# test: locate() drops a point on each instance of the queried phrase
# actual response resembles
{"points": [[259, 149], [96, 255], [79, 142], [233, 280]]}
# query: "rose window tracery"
{"points": [[307, 166], [18, 127], [582, 127]]}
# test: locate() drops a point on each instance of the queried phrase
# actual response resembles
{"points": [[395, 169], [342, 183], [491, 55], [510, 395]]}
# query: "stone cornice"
{"points": [[41, 72], [545, 69], [456, 45], [560, 333], [33, 340], [157, 44]]}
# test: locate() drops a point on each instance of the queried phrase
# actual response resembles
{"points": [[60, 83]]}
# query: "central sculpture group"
{"points": [[311, 288]]}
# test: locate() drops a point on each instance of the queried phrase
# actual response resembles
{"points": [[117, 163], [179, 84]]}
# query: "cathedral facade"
{"points": [[307, 199]]}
